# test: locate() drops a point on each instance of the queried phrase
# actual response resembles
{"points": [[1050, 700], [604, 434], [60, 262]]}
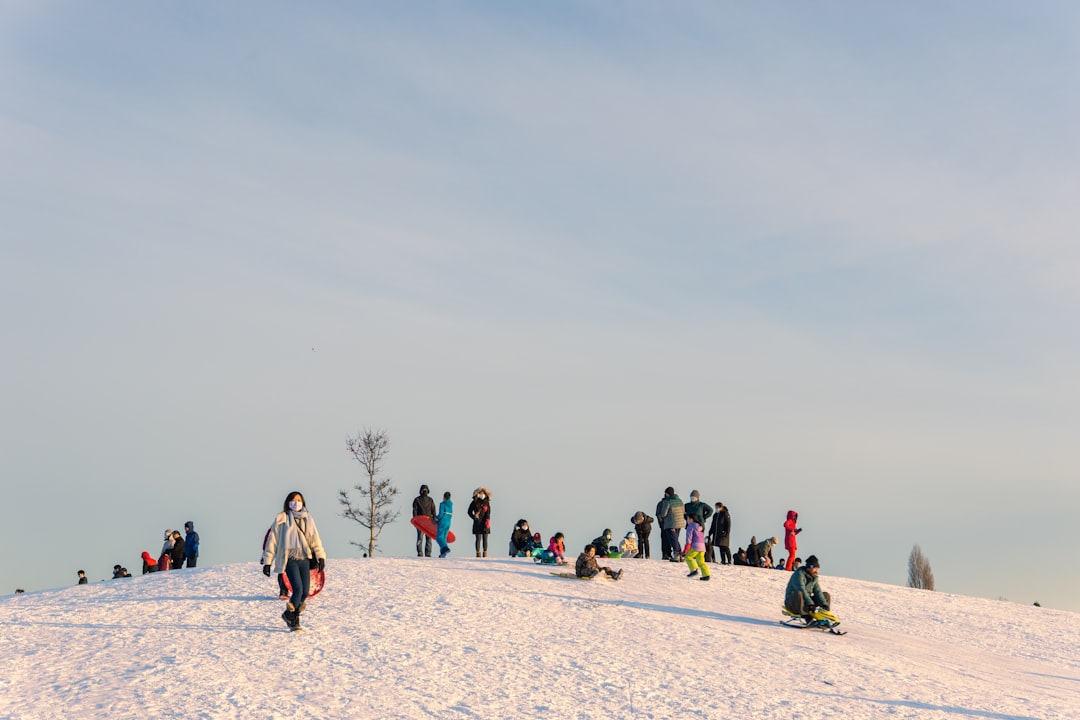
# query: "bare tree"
{"points": [[919, 574], [374, 509]]}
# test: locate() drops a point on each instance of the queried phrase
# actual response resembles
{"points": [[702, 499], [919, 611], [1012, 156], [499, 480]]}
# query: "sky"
{"points": [[793, 257], [418, 639]]}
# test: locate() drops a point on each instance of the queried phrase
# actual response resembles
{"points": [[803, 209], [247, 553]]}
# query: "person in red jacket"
{"points": [[790, 531]]}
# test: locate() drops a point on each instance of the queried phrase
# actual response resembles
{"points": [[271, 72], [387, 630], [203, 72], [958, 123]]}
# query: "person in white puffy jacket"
{"points": [[294, 548]]}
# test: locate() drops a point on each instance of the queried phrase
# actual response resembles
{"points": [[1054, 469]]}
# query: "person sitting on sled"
{"points": [[804, 594], [586, 566]]}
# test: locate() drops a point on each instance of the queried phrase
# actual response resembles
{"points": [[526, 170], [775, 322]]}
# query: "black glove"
{"points": [[266, 570], [321, 563]]}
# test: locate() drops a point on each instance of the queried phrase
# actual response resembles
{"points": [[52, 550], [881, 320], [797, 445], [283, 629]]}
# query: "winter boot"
{"points": [[706, 578], [485, 553], [477, 553], [692, 574], [290, 619]]}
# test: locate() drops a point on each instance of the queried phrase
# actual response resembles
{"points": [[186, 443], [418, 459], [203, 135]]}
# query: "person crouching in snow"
{"points": [[628, 546], [803, 594], [294, 541], [586, 566], [149, 564], [694, 551]]}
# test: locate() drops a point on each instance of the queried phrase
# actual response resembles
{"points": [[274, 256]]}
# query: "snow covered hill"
{"points": [[502, 638]]}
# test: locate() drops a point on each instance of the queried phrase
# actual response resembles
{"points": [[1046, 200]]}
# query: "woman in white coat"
{"points": [[294, 548]]}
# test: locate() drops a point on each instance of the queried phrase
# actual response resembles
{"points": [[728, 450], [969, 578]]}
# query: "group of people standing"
{"points": [[175, 551], [479, 512], [674, 516], [714, 545]]}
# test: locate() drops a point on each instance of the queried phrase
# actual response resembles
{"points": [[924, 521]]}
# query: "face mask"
{"points": [[296, 505]]}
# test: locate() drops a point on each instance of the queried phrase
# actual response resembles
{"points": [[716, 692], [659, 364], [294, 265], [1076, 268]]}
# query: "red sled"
{"points": [[427, 526], [318, 580]]}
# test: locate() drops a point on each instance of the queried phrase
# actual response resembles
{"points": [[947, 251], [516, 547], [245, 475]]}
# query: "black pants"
{"points": [[725, 554], [665, 545], [191, 560], [643, 545]]}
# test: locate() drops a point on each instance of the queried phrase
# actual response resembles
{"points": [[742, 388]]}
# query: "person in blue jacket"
{"points": [[446, 513], [191, 544]]}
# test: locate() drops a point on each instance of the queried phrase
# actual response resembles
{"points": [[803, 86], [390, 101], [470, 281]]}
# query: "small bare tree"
{"points": [[374, 510], [919, 574]]}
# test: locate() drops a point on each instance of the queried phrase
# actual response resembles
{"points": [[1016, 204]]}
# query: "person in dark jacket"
{"points": [[521, 542], [643, 528], [191, 544], [739, 558], [586, 566], [665, 545], [803, 593], [720, 534], [480, 512], [603, 543], [752, 557], [698, 509], [177, 551], [423, 506], [82, 578], [672, 518]]}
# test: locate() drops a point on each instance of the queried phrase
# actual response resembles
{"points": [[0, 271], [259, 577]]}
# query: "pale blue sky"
{"points": [[817, 257]]}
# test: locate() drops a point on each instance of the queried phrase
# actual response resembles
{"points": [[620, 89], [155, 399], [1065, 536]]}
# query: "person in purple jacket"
{"points": [[694, 551]]}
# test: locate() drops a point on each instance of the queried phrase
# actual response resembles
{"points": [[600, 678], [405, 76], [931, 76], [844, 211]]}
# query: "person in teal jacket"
{"points": [[803, 592], [446, 513]]}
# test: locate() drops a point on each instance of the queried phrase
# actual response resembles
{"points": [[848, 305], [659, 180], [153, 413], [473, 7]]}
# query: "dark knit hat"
{"points": [[812, 562], [424, 490]]}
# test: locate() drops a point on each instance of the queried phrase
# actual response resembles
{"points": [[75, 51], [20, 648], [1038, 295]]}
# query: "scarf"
{"points": [[296, 544]]}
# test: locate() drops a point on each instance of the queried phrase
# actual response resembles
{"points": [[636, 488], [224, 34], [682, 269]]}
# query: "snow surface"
{"points": [[502, 638]]}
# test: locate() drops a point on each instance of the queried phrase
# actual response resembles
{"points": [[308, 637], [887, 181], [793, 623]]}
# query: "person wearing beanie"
{"points": [[643, 528], [423, 506], [764, 552], [603, 543], [703, 512], [803, 594], [191, 544], [672, 516], [165, 559]]}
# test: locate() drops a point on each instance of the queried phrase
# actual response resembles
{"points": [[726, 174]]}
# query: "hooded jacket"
{"points": [[602, 544], [423, 505], [521, 538], [480, 512], [790, 531], [191, 540]]}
